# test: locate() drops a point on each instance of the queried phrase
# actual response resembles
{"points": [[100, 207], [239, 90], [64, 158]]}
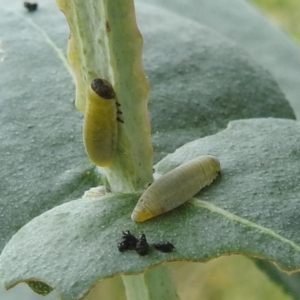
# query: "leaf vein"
{"points": [[49, 41], [213, 208]]}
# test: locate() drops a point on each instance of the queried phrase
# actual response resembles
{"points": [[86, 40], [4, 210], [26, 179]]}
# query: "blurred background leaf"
{"points": [[242, 22], [283, 13]]}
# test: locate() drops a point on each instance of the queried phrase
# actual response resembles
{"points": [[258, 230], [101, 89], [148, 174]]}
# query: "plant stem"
{"points": [[106, 43], [155, 284]]}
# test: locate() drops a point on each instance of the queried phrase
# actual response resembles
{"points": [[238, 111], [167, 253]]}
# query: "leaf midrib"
{"points": [[215, 209]]}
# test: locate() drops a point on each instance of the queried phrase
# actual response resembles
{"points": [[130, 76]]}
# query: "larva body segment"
{"points": [[176, 187], [100, 126]]}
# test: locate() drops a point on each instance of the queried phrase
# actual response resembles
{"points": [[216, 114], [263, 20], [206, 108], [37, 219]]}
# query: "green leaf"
{"points": [[202, 83], [251, 209], [241, 22], [42, 160]]}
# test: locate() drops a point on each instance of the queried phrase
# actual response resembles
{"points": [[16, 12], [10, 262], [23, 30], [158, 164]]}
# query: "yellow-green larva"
{"points": [[100, 128], [176, 187]]}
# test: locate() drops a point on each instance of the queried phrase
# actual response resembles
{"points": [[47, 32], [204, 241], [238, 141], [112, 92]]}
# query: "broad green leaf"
{"points": [[241, 22], [251, 209], [42, 160], [203, 82]]}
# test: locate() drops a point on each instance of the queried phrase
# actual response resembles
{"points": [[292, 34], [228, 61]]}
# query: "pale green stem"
{"points": [[155, 284], [108, 289], [105, 43]]}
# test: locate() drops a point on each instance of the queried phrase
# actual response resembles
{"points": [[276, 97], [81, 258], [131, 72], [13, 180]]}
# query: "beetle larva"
{"points": [[100, 126], [176, 187]]}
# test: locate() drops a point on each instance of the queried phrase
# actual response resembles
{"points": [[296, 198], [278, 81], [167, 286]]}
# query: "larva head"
{"points": [[141, 213], [103, 88], [214, 162]]}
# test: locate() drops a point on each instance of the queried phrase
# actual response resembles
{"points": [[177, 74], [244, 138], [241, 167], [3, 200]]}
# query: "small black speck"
{"points": [[164, 247], [30, 6]]}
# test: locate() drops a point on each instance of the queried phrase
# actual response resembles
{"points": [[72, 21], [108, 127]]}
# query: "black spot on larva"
{"points": [[142, 246], [107, 26], [119, 112], [103, 88], [118, 104], [30, 6], [164, 247], [120, 120]]}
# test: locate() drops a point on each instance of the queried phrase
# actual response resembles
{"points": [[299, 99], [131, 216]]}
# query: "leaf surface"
{"points": [[43, 162], [251, 209], [244, 24]]}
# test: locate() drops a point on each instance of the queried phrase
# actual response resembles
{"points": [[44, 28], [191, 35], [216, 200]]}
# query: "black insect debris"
{"points": [[164, 247], [142, 246], [30, 6], [128, 241]]}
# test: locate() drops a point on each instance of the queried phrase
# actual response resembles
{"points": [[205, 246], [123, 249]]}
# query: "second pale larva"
{"points": [[100, 123], [176, 187]]}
